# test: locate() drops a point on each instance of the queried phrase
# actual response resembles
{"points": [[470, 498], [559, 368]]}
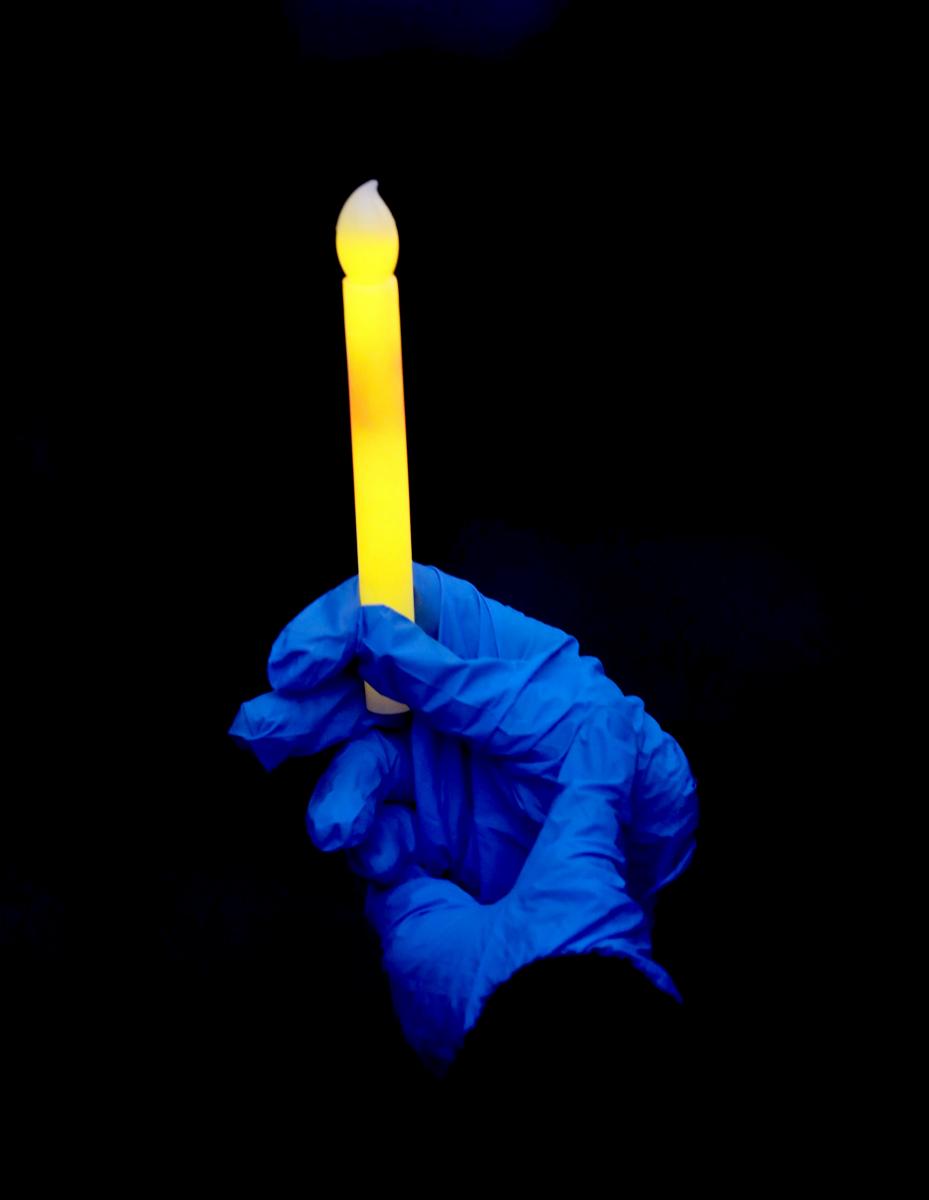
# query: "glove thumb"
{"points": [[433, 936]]}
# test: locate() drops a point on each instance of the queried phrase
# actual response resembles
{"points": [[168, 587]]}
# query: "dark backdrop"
{"points": [[628, 366]]}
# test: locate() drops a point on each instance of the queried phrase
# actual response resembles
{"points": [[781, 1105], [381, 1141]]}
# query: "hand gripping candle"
{"points": [[367, 244]]}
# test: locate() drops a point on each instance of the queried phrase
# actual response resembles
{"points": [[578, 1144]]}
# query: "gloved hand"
{"points": [[523, 808]]}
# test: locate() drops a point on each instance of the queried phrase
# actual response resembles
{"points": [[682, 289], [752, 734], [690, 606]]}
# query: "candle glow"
{"points": [[367, 245]]}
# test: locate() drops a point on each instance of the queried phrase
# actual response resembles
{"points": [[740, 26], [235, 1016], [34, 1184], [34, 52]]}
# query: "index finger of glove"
{"points": [[516, 709], [318, 643], [276, 726], [322, 639]]}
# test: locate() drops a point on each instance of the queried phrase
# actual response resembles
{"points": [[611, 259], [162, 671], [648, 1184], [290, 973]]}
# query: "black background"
{"points": [[629, 368]]}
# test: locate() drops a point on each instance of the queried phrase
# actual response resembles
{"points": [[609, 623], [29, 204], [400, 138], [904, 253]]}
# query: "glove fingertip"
{"points": [[336, 822], [241, 727], [243, 733]]}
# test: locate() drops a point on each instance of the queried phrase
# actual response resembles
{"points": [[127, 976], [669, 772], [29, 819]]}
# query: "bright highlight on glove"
{"points": [[367, 244]]}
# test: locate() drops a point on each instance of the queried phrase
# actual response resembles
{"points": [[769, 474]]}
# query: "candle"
{"points": [[367, 244]]}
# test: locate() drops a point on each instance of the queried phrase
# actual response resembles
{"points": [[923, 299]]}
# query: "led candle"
{"points": [[367, 244]]}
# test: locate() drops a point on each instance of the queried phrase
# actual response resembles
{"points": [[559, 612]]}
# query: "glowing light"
{"points": [[366, 238], [367, 244]]}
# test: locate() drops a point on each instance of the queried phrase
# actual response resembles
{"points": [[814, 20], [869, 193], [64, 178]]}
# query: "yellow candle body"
{"points": [[379, 456]]}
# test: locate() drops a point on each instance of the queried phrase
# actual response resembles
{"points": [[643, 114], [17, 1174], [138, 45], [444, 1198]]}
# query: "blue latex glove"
{"points": [[524, 808]]}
